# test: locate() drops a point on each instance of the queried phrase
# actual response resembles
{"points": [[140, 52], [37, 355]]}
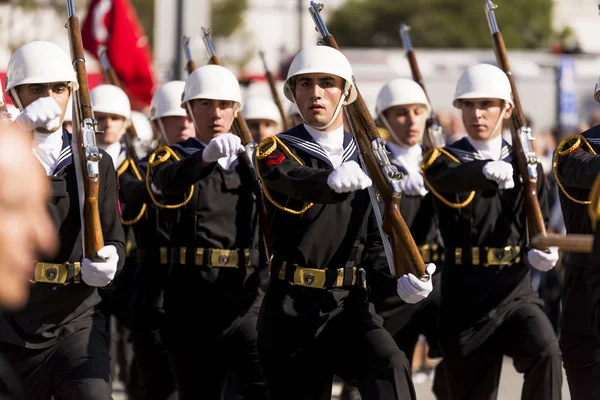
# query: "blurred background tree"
{"points": [[440, 23]]}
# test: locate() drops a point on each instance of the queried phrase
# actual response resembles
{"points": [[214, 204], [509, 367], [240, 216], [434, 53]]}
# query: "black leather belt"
{"points": [[486, 256], [314, 277], [58, 274], [212, 258], [431, 252]]}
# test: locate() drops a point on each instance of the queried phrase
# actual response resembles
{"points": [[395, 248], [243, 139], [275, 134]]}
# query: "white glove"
{"points": [[100, 273], [500, 172], [412, 290], [412, 184], [42, 113], [348, 177], [223, 146], [541, 260]]}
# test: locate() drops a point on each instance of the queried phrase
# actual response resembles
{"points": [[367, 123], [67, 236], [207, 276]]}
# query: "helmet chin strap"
{"points": [[338, 108], [189, 109], [163, 132], [16, 97], [500, 119]]}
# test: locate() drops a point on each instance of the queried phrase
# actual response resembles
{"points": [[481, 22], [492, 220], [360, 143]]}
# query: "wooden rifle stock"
{"points": [[433, 136], [406, 255], [521, 136], [84, 127], [240, 128], [274, 93], [111, 77]]}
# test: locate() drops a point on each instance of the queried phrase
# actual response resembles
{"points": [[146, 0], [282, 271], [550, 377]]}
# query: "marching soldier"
{"points": [[214, 245], [488, 306], [57, 344], [315, 319], [113, 114], [112, 111], [152, 378], [25, 233], [167, 116], [403, 109], [263, 118], [576, 166]]}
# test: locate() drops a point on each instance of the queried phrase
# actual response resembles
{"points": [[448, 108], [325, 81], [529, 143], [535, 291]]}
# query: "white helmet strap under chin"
{"points": [[163, 132], [189, 109], [500, 119], [338, 108], [16, 97], [387, 125]]}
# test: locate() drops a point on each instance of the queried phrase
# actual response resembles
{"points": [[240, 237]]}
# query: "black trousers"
{"points": [[358, 350], [76, 368], [150, 377], [527, 336], [581, 359], [200, 359], [406, 322]]}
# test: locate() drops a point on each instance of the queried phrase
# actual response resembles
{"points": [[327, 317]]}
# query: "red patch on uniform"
{"points": [[275, 160]]}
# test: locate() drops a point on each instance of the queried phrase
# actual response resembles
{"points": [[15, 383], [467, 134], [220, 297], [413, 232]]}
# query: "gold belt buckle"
{"points": [[52, 273], [309, 277], [224, 258], [500, 256]]}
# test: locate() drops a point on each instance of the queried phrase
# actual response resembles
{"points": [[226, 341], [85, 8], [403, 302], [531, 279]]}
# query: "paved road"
{"points": [[510, 386]]}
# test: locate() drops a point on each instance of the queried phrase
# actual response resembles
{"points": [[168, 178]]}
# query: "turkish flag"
{"points": [[114, 24]]}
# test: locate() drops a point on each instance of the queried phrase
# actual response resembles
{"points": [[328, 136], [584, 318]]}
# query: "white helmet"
{"points": [[39, 62], [142, 126], [597, 91], [324, 60], [166, 101], [212, 82], [110, 99], [399, 92], [483, 81], [261, 108]]}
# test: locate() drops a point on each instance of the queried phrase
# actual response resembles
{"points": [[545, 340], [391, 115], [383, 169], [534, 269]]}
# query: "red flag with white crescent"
{"points": [[114, 24]]}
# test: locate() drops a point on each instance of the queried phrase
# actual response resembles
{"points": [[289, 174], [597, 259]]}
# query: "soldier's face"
{"points": [[112, 127], [59, 91], [26, 231], [317, 96], [177, 128], [213, 117], [480, 116], [407, 123], [262, 129]]}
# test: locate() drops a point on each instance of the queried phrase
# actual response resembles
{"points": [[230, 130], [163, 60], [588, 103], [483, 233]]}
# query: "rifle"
{"points": [[111, 77], [240, 128], [434, 136], [190, 65], [580, 243], [521, 136], [84, 138], [274, 93], [402, 253]]}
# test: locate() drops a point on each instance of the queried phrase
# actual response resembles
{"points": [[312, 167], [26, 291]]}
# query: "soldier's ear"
{"points": [[509, 109]]}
